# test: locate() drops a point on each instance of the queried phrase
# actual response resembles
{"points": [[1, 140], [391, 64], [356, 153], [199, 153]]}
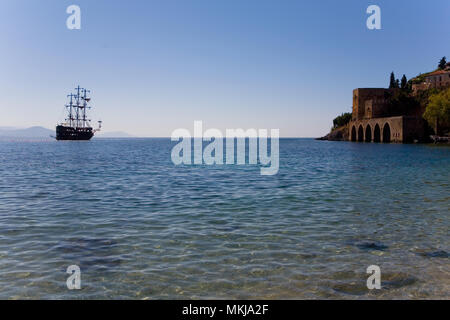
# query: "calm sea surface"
{"points": [[141, 228]]}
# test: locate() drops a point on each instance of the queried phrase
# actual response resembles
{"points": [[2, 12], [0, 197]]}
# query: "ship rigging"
{"points": [[77, 125]]}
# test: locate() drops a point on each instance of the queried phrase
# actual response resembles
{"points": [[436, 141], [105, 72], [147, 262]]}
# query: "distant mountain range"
{"points": [[32, 132], [41, 132]]}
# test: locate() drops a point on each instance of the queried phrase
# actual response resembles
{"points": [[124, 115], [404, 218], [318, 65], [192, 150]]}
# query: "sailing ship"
{"points": [[77, 125]]}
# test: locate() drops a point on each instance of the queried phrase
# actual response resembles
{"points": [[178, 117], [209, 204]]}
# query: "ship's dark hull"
{"points": [[70, 133]]}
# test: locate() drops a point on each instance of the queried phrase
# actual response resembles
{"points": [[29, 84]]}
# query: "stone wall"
{"points": [[372, 121], [369, 102], [388, 129]]}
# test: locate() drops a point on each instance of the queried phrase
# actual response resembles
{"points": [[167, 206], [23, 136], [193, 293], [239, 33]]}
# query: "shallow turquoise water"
{"points": [[141, 228]]}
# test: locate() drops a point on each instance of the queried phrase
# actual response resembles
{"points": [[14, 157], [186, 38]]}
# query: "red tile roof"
{"points": [[437, 72]]}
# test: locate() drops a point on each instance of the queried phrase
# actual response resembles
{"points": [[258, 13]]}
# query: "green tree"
{"points": [[437, 112], [397, 83], [392, 81], [341, 120], [442, 63], [401, 103], [404, 83]]}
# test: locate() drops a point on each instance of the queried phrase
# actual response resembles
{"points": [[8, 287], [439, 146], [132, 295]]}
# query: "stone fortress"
{"points": [[374, 121]]}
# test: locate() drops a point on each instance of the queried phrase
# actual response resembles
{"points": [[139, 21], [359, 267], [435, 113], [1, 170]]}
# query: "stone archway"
{"points": [[386, 133], [353, 136], [360, 134], [376, 133], [368, 136]]}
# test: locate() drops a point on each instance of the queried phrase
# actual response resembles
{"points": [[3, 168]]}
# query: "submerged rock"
{"points": [[89, 252], [371, 245], [397, 281], [356, 289], [368, 245], [434, 254], [389, 281]]}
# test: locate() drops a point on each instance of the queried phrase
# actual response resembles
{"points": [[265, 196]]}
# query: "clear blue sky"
{"points": [[154, 66]]}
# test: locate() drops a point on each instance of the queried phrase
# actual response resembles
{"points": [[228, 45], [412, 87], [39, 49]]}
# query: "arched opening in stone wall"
{"points": [[376, 133], [353, 133], [360, 134], [368, 134], [386, 133]]}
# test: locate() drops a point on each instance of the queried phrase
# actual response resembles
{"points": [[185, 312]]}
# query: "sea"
{"points": [[139, 227]]}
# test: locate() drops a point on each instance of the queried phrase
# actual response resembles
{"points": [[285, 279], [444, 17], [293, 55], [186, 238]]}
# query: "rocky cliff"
{"points": [[338, 134]]}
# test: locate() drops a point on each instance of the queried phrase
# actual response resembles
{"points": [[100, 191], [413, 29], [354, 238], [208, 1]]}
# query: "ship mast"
{"points": [[70, 106], [85, 106], [77, 108]]}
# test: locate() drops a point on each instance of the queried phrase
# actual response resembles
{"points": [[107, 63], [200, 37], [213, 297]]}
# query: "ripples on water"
{"points": [[141, 228]]}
